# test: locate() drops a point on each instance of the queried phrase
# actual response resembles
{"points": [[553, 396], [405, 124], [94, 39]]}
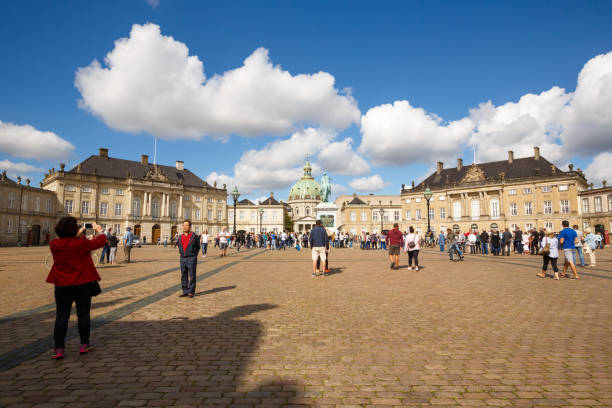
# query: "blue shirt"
{"points": [[129, 238], [569, 237]]}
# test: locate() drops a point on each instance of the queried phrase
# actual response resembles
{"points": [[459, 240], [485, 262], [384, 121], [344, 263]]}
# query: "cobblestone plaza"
{"points": [[262, 332]]}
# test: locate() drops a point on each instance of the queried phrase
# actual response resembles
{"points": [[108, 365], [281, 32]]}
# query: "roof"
{"points": [[493, 172], [246, 201], [270, 201], [307, 187], [119, 168], [356, 201]]}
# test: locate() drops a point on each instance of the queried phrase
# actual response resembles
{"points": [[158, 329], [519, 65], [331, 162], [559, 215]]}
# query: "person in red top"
{"points": [[395, 240], [189, 247], [72, 272]]}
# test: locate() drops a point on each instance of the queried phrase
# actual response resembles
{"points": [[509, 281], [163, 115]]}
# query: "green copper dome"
{"points": [[306, 188]]}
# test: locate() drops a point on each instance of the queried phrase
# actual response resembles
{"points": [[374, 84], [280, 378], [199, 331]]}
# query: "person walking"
{"points": [[591, 240], [578, 250], [224, 237], [395, 240], [204, 243], [106, 248], [506, 240], [550, 253], [318, 242], [567, 239], [484, 242], [412, 246], [73, 273], [518, 240], [113, 248], [535, 242], [495, 243], [128, 241], [441, 240], [189, 247]]}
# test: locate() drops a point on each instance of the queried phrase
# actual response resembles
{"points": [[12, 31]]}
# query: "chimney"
{"points": [[510, 156], [604, 182], [440, 167], [412, 183], [271, 194], [180, 165], [103, 152], [536, 153], [459, 164], [144, 159]]}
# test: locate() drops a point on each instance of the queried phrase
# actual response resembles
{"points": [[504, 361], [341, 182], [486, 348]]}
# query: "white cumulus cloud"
{"points": [[17, 169], [368, 184], [30, 143], [150, 83], [600, 169], [401, 134]]}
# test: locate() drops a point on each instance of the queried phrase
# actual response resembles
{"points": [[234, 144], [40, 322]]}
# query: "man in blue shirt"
{"points": [[318, 243], [128, 240], [567, 239]]}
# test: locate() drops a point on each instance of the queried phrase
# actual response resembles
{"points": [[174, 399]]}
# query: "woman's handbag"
{"points": [[546, 250], [412, 244], [94, 288]]}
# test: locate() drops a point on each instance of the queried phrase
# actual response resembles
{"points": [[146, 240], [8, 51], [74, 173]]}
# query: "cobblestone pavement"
{"points": [[262, 332]]}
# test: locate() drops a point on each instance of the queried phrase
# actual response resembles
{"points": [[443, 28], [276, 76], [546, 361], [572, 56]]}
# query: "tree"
{"points": [[288, 222]]}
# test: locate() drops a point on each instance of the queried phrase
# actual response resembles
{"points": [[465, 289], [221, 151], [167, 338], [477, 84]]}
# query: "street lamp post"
{"points": [[382, 214], [427, 194], [235, 196], [260, 219]]}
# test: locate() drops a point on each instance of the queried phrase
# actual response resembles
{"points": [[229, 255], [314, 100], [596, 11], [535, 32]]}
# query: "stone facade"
{"points": [[27, 213], [152, 199], [528, 193], [596, 209], [361, 213], [250, 219]]}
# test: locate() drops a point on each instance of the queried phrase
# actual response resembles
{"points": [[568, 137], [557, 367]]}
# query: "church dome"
{"points": [[307, 188]]}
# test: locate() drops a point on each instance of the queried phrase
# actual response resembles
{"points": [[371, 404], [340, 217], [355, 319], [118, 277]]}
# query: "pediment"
{"points": [[155, 173], [473, 174]]}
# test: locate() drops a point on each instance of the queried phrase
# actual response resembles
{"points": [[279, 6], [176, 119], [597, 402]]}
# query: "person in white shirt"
{"points": [[283, 238], [223, 241], [412, 246], [204, 243], [552, 243]]}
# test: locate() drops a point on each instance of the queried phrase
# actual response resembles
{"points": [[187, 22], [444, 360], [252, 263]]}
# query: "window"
{"points": [[375, 215], [475, 209], [24, 202], [210, 215], [70, 187], [219, 215], [22, 226], [408, 200], [610, 203], [513, 227], [230, 215], [210, 200], [9, 226], [297, 212], [118, 192], [84, 207], [408, 215], [37, 204], [187, 197], [240, 215], [528, 226], [104, 209], [173, 209], [105, 190], [442, 213], [457, 210], [155, 208], [547, 207], [274, 215], [597, 204], [197, 229], [118, 208], [529, 208], [546, 189], [187, 212], [386, 215], [136, 207], [253, 215], [198, 198], [563, 187], [353, 216], [494, 227], [68, 206], [86, 189], [417, 214], [220, 202], [474, 228], [585, 225], [585, 205], [441, 198], [548, 225], [565, 207], [49, 208], [364, 216], [396, 215], [527, 190], [417, 200], [117, 229], [11, 203], [512, 191], [495, 208], [513, 209], [307, 210]]}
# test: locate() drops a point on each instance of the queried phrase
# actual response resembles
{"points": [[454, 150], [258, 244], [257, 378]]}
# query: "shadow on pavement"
{"points": [[215, 290]]}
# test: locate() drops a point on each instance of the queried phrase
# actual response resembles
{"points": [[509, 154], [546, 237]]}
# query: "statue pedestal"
{"points": [[327, 213]]}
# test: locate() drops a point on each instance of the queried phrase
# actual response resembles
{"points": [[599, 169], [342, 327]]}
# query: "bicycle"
{"points": [[48, 261], [458, 257]]}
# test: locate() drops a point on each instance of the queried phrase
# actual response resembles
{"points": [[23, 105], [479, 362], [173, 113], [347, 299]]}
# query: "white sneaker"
{"points": [[416, 269], [410, 268]]}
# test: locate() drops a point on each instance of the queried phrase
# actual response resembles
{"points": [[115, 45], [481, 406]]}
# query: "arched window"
{"points": [[307, 210], [474, 227], [494, 227], [456, 228], [136, 207], [297, 211]]}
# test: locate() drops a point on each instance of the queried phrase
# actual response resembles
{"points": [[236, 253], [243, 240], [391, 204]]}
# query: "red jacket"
{"points": [[72, 263], [395, 237]]}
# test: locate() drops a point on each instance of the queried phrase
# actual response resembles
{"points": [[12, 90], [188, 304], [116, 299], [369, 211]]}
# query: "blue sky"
{"points": [[442, 59]]}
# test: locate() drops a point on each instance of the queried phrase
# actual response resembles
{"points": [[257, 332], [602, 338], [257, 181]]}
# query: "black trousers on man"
{"points": [[188, 274], [64, 297]]}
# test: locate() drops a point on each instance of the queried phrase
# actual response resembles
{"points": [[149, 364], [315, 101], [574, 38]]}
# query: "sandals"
{"points": [[541, 275]]}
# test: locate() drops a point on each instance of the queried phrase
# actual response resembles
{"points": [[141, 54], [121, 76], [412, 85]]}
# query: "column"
{"points": [[180, 207], [163, 205], [128, 210]]}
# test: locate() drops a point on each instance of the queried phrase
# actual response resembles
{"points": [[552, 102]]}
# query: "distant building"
{"points": [[152, 199], [528, 193], [266, 216], [596, 209], [27, 213], [362, 213], [303, 199]]}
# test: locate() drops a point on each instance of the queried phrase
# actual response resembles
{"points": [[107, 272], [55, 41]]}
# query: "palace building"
{"points": [[528, 192], [152, 199], [369, 213], [596, 209], [266, 216], [303, 199]]}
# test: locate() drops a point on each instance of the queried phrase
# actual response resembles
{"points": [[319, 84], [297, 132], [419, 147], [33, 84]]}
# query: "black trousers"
{"points": [[188, 273], [553, 263], [64, 297], [414, 254], [506, 248]]}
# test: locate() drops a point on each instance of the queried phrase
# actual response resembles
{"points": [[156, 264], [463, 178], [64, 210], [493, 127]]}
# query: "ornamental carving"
{"points": [[155, 173], [473, 174]]}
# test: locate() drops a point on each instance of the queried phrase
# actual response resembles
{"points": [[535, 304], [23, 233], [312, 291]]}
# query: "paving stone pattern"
{"points": [[262, 332]]}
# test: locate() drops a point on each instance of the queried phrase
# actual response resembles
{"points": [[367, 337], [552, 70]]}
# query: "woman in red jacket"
{"points": [[72, 272]]}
